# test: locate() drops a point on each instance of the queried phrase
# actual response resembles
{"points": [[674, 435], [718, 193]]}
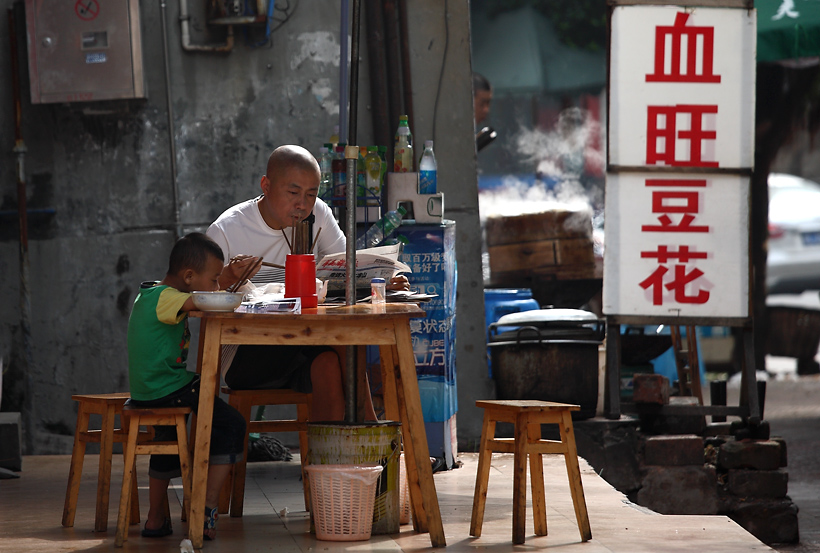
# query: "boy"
{"points": [[158, 340]]}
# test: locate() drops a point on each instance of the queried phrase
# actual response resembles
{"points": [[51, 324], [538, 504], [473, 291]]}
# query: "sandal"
{"points": [[211, 517], [161, 532]]}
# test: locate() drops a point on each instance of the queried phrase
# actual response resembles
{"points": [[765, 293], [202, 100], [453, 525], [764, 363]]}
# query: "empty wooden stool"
{"points": [[159, 416], [107, 406], [244, 401], [528, 416]]}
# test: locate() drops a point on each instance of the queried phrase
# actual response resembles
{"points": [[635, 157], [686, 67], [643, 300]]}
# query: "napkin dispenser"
{"points": [[403, 189]]}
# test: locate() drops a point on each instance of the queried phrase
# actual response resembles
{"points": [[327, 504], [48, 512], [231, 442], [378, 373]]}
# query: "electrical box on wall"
{"points": [[84, 50]]}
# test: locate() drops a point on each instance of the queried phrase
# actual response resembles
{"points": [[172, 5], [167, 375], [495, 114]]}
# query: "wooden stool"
{"points": [[160, 416], [107, 406], [243, 401], [528, 416]]}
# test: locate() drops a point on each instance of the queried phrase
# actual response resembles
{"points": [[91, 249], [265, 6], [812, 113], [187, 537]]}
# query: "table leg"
{"points": [[104, 475], [395, 410], [210, 330], [415, 429]]}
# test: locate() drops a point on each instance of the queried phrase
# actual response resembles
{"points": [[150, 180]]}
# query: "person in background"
{"points": [[482, 97], [257, 228], [158, 340]]}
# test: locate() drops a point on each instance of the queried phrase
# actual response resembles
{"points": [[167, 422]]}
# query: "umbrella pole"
{"points": [[352, 157]]}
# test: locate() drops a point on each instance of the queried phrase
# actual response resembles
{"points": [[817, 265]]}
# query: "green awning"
{"points": [[787, 29]]}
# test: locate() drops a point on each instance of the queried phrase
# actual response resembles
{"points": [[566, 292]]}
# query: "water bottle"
{"points": [[334, 138], [384, 226], [427, 170], [403, 149], [373, 174], [326, 167], [339, 180]]}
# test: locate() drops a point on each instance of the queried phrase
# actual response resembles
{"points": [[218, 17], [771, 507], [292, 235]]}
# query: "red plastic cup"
{"points": [[300, 279]]}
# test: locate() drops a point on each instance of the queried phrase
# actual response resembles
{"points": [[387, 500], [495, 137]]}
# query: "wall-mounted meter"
{"points": [[84, 50]]}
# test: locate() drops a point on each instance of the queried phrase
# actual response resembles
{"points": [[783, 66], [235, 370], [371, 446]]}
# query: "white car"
{"points": [[793, 262]]}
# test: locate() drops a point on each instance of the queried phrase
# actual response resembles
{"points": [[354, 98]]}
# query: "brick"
{"points": [[758, 483], [680, 490], [674, 450], [11, 440], [748, 454], [770, 521], [784, 452], [650, 388]]}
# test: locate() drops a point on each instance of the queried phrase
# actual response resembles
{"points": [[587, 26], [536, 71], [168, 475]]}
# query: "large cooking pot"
{"points": [[549, 355]]}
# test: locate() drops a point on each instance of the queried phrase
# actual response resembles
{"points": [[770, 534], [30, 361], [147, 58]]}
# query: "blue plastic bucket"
{"points": [[502, 301]]}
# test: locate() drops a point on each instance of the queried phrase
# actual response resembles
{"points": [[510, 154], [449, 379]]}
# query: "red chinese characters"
{"points": [[676, 202], [683, 54]]}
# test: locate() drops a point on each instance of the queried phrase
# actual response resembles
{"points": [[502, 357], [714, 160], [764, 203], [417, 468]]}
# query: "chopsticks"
{"points": [[300, 242], [245, 275]]}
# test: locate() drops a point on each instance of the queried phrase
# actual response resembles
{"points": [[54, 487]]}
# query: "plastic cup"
{"points": [[300, 279]]}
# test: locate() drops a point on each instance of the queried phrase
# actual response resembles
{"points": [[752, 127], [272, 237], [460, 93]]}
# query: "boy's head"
{"points": [[196, 263]]}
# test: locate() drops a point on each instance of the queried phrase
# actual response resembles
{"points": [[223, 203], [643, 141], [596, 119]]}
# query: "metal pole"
{"points": [[352, 158], [25, 294], [343, 67], [171, 132]]}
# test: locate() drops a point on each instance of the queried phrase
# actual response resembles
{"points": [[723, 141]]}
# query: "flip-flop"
{"points": [[161, 532], [211, 516]]}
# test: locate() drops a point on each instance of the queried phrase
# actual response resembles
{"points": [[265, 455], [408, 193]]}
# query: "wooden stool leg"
{"points": [[574, 475], [134, 517], [185, 463], [482, 477], [127, 476], [240, 468], [303, 415], [76, 470], [539, 503], [519, 522], [104, 476]]}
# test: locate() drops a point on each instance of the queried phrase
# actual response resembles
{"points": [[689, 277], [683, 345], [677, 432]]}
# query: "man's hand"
{"points": [[399, 282], [235, 268]]}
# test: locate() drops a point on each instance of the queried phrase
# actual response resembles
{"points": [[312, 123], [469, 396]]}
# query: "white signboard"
{"points": [[676, 245], [682, 85]]}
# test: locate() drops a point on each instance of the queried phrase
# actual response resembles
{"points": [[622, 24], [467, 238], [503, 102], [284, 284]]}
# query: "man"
{"points": [[257, 228], [482, 96]]}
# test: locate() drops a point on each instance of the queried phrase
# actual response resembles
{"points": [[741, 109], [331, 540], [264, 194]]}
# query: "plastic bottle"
{"points": [[334, 138], [361, 180], [403, 149], [326, 167], [373, 174], [376, 234], [427, 170], [339, 168], [377, 290]]}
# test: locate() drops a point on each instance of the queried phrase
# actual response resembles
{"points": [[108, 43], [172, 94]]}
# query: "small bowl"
{"points": [[217, 301]]}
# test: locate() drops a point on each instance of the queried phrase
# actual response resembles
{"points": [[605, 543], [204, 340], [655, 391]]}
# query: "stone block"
{"points": [[11, 441], [611, 448], [770, 521], [758, 483], [674, 450], [784, 452], [680, 490], [749, 454], [650, 388]]}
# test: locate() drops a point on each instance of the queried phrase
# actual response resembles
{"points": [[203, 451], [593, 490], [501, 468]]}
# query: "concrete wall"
{"points": [[104, 168]]}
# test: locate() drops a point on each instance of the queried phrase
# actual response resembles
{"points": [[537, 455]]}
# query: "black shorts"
{"points": [[227, 431], [273, 367]]}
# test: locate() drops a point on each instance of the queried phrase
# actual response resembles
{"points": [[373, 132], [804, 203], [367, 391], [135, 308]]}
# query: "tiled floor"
{"points": [[31, 509]]}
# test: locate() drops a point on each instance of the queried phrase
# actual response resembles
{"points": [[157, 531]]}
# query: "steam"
{"points": [[560, 155]]}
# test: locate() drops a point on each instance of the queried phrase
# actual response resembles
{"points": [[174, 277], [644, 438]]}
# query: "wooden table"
{"points": [[362, 324]]}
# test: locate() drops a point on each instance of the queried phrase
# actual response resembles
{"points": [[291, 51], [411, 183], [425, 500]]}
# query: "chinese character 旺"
{"points": [[690, 47], [662, 133], [677, 285], [685, 202]]}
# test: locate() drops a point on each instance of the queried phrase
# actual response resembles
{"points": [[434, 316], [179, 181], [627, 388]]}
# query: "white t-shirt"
{"points": [[242, 230]]}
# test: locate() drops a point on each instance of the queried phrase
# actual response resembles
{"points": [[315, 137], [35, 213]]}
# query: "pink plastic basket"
{"points": [[342, 499], [404, 493]]}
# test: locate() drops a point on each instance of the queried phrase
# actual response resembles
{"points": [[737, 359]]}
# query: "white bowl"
{"points": [[217, 301]]}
